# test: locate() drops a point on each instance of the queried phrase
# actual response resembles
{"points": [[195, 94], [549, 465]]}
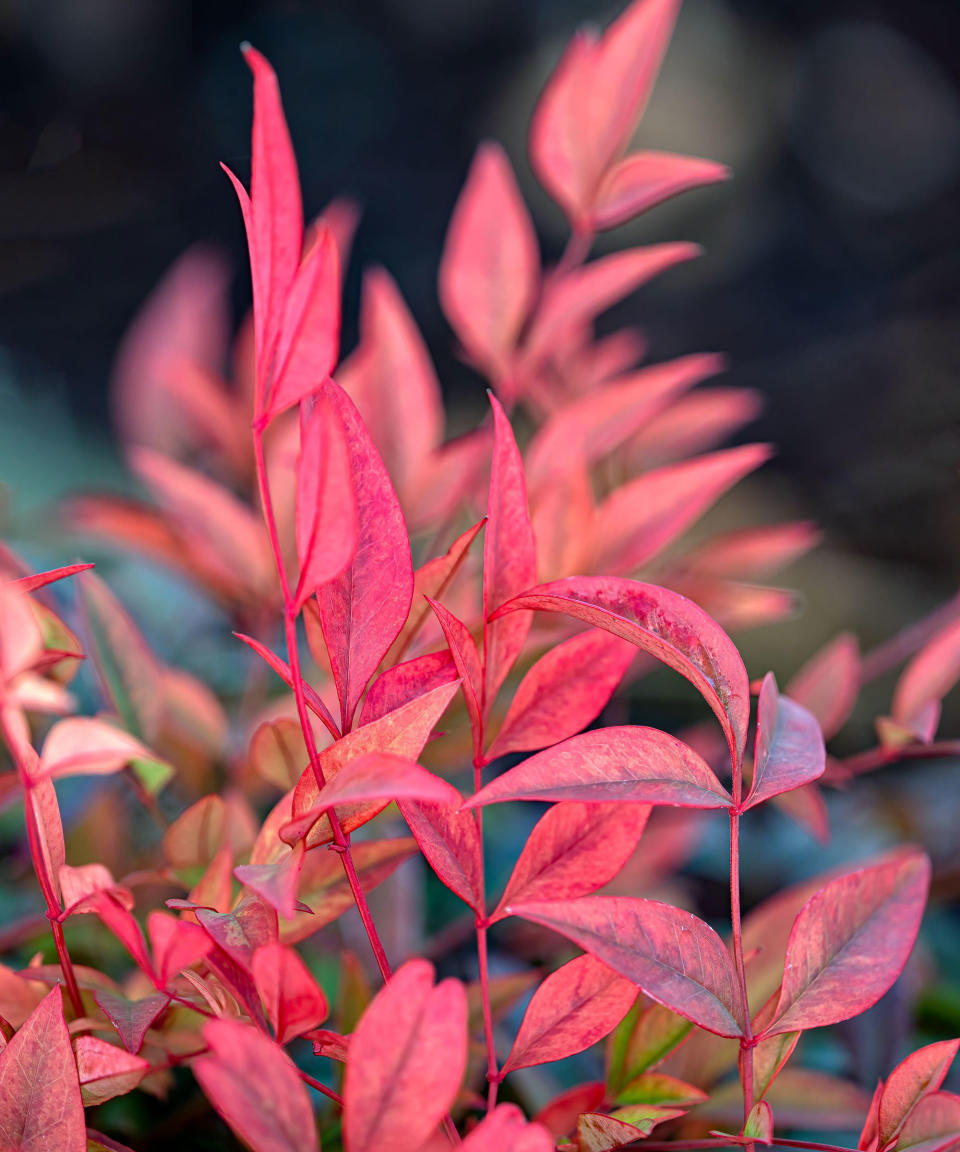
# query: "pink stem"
{"points": [[745, 1061], [329, 1092]]}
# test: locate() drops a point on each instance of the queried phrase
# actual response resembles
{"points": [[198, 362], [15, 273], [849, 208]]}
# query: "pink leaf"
{"points": [[640, 518], [928, 677], [586, 292], [276, 211], [308, 341], [293, 1001], [82, 746], [255, 1087], [644, 179], [373, 776], [40, 1106], [123, 924], [573, 850], [176, 944], [466, 659], [277, 881], [450, 842], [572, 1009], [509, 555], [240, 933], [750, 553], [695, 423], [920, 1074], [933, 1126], [850, 942], [282, 669], [665, 624], [325, 518], [829, 683], [21, 644], [641, 765], [490, 265], [405, 682], [563, 692], [675, 958], [363, 609], [106, 1071], [131, 1018], [42, 579], [789, 751], [407, 1058], [505, 1129]]}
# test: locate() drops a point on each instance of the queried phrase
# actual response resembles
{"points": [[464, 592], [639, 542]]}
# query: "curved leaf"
{"points": [[789, 751]]}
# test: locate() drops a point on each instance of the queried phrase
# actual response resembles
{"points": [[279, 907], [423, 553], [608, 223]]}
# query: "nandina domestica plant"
{"points": [[446, 582]]}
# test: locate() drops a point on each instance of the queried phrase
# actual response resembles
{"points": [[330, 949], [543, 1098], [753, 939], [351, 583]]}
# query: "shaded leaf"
{"points": [[934, 1124], [647, 1035], [450, 842], [829, 683], [921, 1073], [405, 682], [131, 1018], [106, 1071], [466, 660], [927, 679], [291, 997], [789, 751]]}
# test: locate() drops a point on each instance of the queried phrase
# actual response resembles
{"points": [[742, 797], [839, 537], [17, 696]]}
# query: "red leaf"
{"points": [[789, 751], [363, 609], [642, 765], [325, 517], [509, 555], [294, 1003], [407, 1058], [308, 342], [675, 958], [404, 732], [449, 840], [928, 678], [106, 1071], [42, 579], [276, 211], [667, 626], [920, 1074], [586, 292], [563, 692], [466, 660], [40, 1107], [505, 1129], [933, 1126], [850, 942], [560, 1115], [829, 683], [573, 850], [406, 423], [277, 882], [282, 669], [644, 179], [573, 1008], [640, 518], [131, 1018], [255, 1087], [240, 933], [405, 682], [373, 776], [490, 265], [176, 944]]}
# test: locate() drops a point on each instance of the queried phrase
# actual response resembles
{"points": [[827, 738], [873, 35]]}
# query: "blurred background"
{"points": [[831, 276]]}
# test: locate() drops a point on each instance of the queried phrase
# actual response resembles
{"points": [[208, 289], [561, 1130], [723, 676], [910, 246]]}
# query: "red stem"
{"points": [[745, 1060], [340, 840], [879, 757], [895, 650], [329, 1092]]}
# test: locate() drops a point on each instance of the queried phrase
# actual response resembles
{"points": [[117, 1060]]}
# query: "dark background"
{"points": [[833, 269]]}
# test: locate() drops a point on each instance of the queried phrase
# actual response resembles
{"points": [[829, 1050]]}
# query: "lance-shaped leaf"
{"points": [[645, 179], [695, 423], [405, 682], [131, 1018], [490, 264], [927, 679], [106, 1071], [660, 1090], [933, 1126], [750, 553], [40, 1106], [255, 1087], [640, 518], [407, 1058], [83, 746], [921, 1073], [563, 692], [850, 942], [282, 669], [666, 625], [450, 842], [373, 776], [466, 660], [677, 959], [829, 683], [325, 517], [308, 342], [406, 422], [789, 751], [42, 579], [404, 732], [648, 1034], [573, 1008], [363, 609], [573, 850], [506, 1129], [509, 555], [642, 765], [432, 580], [43, 809], [293, 1001], [586, 292]]}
